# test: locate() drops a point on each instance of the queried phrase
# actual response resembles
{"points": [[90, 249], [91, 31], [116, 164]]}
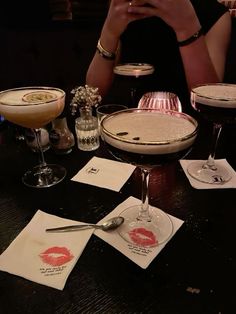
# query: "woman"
{"points": [[185, 40]]}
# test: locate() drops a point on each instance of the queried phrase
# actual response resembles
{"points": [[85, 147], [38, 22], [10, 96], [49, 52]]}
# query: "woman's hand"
{"points": [[178, 14], [119, 17]]}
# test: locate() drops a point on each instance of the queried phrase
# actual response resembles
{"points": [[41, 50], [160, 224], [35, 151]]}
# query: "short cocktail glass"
{"points": [[217, 104], [34, 107], [147, 138], [160, 100], [104, 110]]}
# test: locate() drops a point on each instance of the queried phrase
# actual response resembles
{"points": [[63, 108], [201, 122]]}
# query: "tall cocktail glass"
{"points": [[34, 107], [147, 138], [217, 104]]}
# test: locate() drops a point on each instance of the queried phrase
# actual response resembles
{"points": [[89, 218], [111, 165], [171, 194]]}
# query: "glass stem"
{"points": [[144, 212], [37, 133], [210, 164], [133, 96]]}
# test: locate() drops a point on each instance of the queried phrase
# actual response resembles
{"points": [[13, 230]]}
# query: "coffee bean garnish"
{"points": [[122, 133]]}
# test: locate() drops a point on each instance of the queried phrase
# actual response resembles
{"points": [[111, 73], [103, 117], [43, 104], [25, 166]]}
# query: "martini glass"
{"points": [[34, 107], [147, 138], [134, 70], [217, 104]]}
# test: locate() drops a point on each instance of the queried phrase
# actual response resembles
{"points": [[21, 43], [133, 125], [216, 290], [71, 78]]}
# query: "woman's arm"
{"points": [[100, 71], [204, 59]]}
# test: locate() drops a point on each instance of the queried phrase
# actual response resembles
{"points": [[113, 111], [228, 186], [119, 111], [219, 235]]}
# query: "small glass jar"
{"points": [[61, 138], [87, 132]]}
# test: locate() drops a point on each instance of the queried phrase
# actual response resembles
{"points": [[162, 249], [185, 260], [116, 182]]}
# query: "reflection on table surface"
{"points": [[193, 273]]}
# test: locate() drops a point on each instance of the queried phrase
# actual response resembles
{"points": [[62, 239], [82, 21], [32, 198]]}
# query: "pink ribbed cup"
{"points": [[160, 100]]}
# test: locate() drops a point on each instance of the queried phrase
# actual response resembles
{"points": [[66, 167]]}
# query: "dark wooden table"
{"points": [[200, 256]]}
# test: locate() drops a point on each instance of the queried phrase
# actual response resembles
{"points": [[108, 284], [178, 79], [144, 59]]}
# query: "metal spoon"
{"points": [[111, 223]]}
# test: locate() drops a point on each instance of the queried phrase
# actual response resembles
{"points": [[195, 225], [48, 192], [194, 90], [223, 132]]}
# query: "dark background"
{"points": [[40, 45]]}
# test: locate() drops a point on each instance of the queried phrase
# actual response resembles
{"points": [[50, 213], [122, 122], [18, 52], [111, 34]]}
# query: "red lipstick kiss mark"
{"points": [[56, 256], [143, 237]]}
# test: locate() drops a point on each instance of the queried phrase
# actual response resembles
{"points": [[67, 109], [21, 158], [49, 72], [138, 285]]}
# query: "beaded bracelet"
{"points": [[191, 39], [104, 53]]}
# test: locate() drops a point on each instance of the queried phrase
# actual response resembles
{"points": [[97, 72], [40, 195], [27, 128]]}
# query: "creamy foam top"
{"points": [[17, 97], [218, 95], [149, 127], [134, 69]]}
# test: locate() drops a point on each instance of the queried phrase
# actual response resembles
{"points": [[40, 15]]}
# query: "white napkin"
{"points": [[139, 255], [105, 173], [45, 258], [231, 184]]}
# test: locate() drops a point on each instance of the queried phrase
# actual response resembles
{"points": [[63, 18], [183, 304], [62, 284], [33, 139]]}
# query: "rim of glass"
{"points": [[153, 96], [212, 97], [166, 142], [33, 87], [109, 106], [119, 67]]}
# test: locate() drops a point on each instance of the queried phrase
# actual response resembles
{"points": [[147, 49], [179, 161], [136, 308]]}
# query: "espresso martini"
{"points": [[134, 69], [147, 138], [215, 102]]}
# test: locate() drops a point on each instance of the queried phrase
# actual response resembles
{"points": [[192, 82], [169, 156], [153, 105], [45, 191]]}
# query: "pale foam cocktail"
{"points": [[32, 107]]}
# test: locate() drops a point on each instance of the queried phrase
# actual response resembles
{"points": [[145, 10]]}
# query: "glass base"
{"points": [[44, 177], [197, 171], [145, 233]]}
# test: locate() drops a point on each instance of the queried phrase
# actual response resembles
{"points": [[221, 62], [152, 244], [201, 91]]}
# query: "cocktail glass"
{"points": [[217, 104], [34, 107], [147, 138], [134, 70]]}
